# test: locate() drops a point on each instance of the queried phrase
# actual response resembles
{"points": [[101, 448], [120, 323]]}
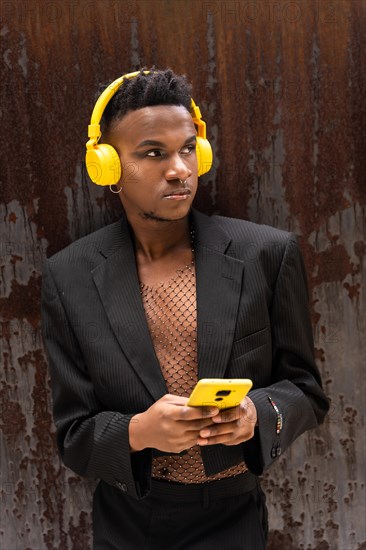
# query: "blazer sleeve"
{"points": [[92, 442], [295, 401]]}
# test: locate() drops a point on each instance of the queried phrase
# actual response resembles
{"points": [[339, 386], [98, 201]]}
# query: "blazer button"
{"points": [[276, 451], [122, 486]]}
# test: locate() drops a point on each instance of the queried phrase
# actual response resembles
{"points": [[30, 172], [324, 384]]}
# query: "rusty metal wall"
{"points": [[282, 87]]}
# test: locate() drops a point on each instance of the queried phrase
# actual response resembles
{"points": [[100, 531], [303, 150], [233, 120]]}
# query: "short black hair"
{"points": [[158, 87]]}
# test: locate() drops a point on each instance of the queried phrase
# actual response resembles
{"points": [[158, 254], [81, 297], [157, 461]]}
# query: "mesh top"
{"points": [[171, 314]]}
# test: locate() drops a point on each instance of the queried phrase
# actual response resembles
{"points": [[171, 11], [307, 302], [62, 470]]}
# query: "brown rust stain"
{"points": [[333, 264], [280, 539], [320, 175], [329, 493], [42, 456], [356, 101], [319, 354], [80, 532], [348, 446], [320, 447], [12, 217], [314, 315], [352, 490], [12, 420], [14, 258], [45, 165], [287, 497], [359, 248], [350, 416], [353, 290], [23, 301]]}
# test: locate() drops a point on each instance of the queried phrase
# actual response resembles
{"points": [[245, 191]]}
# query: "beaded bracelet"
{"points": [[279, 422]]}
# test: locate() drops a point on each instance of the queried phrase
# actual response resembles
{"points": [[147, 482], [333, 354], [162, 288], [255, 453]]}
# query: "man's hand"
{"points": [[231, 426], [169, 426]]}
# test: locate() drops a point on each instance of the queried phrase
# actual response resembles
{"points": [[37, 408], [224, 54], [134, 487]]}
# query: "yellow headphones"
{"points": [[102, 160]]}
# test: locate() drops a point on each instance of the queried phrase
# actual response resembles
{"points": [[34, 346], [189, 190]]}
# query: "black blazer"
{"points": [[252, 322]]}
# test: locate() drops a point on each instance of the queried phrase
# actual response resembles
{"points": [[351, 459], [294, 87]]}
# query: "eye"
{"points": [[153, 153], [188, 149]]}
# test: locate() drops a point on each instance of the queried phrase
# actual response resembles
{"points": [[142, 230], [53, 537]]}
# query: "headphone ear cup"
{"points": [[204, 155], [103, 164]]}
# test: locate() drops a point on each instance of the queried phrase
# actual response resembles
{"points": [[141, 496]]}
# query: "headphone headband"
{"points": [[94, 132]]}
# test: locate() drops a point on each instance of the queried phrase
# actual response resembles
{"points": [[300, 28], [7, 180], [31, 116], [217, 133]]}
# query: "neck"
{"points": [[155, 239]]}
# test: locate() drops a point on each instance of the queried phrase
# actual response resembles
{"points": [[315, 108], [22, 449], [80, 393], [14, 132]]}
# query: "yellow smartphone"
{"points": [[223, 393]]}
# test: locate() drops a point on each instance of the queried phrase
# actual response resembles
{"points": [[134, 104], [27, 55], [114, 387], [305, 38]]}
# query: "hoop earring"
{"points": [[115, 192]]}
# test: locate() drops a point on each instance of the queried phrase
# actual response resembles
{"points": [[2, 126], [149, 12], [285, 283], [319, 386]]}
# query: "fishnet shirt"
{"points": [[171, 314]]}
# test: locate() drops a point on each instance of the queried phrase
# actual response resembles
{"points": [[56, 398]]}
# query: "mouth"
{"points": [[179, 194]]}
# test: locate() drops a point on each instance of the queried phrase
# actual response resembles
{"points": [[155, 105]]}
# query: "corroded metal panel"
{"points": [[282, 87]]}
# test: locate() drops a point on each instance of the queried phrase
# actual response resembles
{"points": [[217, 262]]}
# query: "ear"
{"points": [[103, 164]]}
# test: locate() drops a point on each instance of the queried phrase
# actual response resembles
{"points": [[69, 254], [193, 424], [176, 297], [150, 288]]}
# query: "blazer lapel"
{"points": [[117, 282], [219, 283]]}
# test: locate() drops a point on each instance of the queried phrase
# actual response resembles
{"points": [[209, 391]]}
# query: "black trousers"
{"points": [[229, 514]]}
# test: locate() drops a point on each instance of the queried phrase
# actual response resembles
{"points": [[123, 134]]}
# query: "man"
{"points": [[176, 296]]}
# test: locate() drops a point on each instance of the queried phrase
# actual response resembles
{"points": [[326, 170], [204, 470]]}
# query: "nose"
{"points": [[177, 169]]}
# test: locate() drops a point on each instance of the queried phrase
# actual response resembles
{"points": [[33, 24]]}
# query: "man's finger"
{"points": [[215, 431], [194, 413], [228, 415]]}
